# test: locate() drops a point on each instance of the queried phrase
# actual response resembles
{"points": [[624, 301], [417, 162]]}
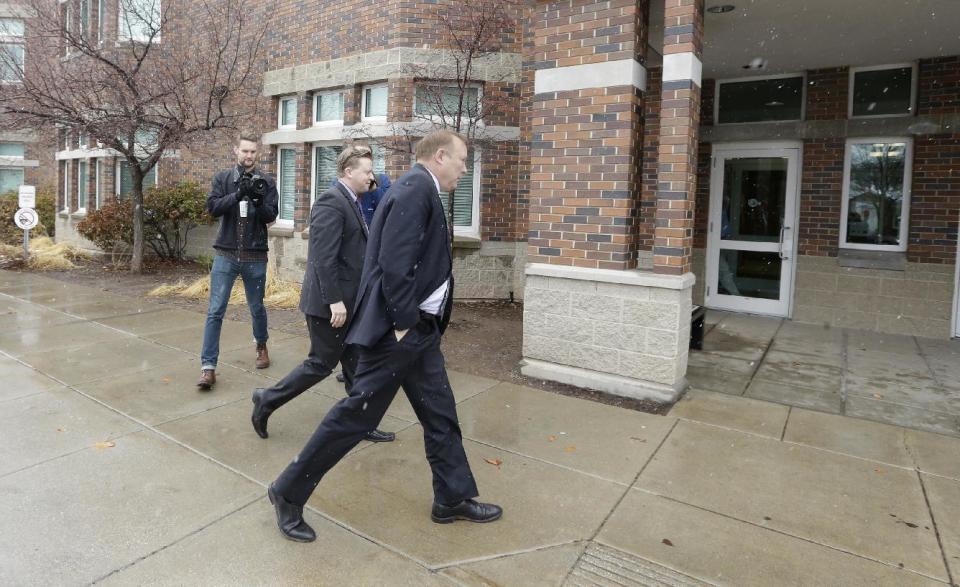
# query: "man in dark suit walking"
{"points": [[406, 294], [338, 239]]}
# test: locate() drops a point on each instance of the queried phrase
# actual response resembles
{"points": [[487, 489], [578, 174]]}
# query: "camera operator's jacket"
{"points": [[222, 203]]}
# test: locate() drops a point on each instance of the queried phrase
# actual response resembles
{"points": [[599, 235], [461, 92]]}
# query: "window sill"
{"points": [[63, 213], [885, 260], [79, 214], [465, 242], [281, 231]]}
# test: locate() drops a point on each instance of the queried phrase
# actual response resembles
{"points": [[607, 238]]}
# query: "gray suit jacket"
{"points": [[338, 239]]}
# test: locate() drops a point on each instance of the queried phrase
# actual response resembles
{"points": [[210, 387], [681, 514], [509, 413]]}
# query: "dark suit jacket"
{"points": [[338, 239], [408, 257]]}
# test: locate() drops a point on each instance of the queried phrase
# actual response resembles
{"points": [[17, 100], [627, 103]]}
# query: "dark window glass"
{"points": [[761, 100], [883, 92]]}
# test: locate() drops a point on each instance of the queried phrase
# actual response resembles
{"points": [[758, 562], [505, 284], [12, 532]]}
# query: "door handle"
{"points": [[782, 230]]}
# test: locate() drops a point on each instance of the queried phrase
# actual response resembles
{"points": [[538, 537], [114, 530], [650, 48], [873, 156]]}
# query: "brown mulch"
{"points": [[483, 339]]}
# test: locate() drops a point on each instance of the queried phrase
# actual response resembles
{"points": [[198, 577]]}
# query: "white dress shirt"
{"points": [[434, 302]]}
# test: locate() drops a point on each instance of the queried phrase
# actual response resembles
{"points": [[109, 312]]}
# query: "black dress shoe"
{"points": [[380, 436], [260, 414], [290, 518], [468, 509], [340, 377]]}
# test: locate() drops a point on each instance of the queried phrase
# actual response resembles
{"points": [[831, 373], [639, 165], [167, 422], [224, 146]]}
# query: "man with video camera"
{"points": [[245, 200]]}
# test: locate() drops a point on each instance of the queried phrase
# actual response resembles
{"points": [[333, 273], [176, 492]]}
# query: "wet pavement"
{"points": [[903, 380], [114, 469]]}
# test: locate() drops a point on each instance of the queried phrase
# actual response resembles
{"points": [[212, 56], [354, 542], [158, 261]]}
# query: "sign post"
{"points": [[26, 217]]}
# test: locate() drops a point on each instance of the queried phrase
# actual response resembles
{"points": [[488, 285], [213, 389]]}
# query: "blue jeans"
{"points": [[222, 277]]}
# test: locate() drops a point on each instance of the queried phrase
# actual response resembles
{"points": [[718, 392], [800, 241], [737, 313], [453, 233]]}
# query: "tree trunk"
{"points": [[136, 260]]}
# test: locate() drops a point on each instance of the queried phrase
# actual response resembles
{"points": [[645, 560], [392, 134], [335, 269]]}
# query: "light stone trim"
{"points": [[624, 72], [19, 136], [15, 11], [628, 277], [18, 162], [615, 384], [317, 134], [400, 62], [681, 67]]}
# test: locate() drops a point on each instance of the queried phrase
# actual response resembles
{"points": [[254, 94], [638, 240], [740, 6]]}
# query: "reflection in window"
{"points": [[875, 193], [432, 100], [287, 183], [139, 20], [754, 195], [752, 274], [760, 100], [883, 92]]}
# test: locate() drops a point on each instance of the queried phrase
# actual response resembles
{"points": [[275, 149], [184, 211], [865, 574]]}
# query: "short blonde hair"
{"points": [[433, 142], [349, 158]]}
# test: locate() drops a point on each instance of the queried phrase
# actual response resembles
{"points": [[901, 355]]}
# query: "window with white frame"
{"points": [[883, 90], [328, 108], [124, 183], [138, 20], [97, 196], [466, 198], [84, 10], [374, 104], [100, 20], [287, 116], [83, 186], [68, 27], [876, 194], [11, 176], [759, 99], [287, 184], [67, 168], [11, 49], [83, 140], [324, 167], [436, 100]]}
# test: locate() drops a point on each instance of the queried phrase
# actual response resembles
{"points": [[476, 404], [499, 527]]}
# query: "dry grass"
{"points": [[279, 293], [46, 255]]}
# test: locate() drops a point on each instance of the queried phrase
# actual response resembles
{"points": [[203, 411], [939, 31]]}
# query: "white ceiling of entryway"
{"points": [[796, 35]]}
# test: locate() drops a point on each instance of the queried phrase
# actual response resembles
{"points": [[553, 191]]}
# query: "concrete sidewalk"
{"points": [[114, 469]]}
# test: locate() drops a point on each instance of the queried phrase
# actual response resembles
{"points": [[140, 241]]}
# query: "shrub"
{"points": [[110, 227], [169, 214], [46, 207]]}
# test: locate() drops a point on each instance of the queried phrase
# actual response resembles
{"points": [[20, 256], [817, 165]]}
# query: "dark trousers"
{"points": [[416, 364], [326, 350]]}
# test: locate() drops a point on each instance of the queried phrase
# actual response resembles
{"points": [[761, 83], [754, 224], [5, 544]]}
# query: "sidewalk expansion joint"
{"points": [[936, 528]]}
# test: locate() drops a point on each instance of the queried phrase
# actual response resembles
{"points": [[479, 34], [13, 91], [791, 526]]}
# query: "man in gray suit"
{"points": [[338, 240]]}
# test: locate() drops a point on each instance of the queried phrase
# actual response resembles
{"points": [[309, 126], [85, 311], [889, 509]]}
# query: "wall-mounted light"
{"points": [[756, 63]]}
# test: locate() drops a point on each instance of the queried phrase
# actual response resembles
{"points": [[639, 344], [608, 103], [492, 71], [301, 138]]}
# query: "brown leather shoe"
{"points": [[207, 379], [263, 358]]}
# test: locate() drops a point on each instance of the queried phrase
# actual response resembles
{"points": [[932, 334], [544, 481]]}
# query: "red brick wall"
{"points": [[938, 87], [935, 199], [821, 185], [647, 210], [827, 93]]}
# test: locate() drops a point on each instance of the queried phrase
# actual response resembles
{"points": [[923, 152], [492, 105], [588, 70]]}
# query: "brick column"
{"points": [[591, 318], [679, 135], [586, 126]]}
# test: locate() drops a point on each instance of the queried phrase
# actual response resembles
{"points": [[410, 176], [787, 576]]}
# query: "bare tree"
{"points": [[169, 74], [454, 93]]}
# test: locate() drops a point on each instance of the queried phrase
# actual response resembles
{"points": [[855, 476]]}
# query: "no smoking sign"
{"points": [[26, 218]]}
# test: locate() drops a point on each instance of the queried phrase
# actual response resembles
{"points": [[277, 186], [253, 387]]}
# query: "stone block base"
{"points": [[615, 384], [622, 332]]}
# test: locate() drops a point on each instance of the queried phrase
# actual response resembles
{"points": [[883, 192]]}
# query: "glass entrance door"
{"points": [[751, 237]]}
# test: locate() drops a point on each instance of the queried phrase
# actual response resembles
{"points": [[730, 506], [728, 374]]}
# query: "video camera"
{"points": [[252, 187]]}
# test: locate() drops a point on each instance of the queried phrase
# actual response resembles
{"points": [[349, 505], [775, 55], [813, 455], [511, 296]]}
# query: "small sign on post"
{"points": [[28, 196], [26, 217]]}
